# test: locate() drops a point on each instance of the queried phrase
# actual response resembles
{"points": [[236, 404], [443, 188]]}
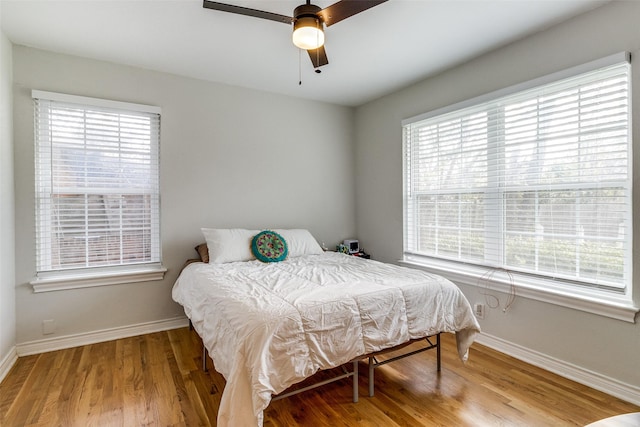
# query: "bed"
{"points": [[269, 325]]}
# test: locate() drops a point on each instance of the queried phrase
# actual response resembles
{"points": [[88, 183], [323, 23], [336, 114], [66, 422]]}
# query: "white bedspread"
{"points": [[268, 326]]}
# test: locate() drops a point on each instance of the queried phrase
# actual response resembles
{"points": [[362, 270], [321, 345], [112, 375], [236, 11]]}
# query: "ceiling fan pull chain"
{"points": [[318, 26], [299, 67]]}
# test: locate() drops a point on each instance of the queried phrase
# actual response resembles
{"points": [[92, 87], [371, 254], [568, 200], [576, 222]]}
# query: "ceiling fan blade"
{"points": [[207, 4], [318, 57], [346, 8]]}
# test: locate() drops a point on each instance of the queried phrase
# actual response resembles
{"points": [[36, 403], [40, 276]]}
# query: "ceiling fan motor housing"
{"points": [[307, 11]]}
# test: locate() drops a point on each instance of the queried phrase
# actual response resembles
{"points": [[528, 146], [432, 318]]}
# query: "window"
{"points": [[537, 182], [97, 186]]}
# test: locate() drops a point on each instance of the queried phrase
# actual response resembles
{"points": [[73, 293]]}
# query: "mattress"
{"points": [[268, 326]]}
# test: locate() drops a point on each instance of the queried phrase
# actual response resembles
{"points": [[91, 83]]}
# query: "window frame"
{"points": [[73, 278], [618, 305]]}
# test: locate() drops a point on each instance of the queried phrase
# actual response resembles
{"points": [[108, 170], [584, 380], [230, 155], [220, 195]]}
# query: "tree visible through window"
{"points": [[537, 182]]}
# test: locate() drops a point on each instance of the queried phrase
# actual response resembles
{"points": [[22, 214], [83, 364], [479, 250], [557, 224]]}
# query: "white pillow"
{"points": [[300, 242], [229, 244]]}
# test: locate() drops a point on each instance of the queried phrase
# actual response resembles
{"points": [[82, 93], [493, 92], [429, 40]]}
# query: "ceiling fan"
{"points": [[308, 22]]}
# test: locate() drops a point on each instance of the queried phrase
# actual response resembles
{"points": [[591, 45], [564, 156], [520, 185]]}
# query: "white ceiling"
{"points": [[370, 54]]}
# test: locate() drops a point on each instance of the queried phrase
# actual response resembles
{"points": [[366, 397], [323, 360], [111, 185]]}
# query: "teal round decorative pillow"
{"points": [[269, 246]]}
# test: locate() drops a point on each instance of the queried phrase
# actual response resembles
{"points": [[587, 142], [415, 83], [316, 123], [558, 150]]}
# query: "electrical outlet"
{"points": [[478, 310], [48, 327]]}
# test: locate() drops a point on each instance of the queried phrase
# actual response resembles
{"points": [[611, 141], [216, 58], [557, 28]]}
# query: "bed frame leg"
{"points": [[355, 381], [371, 376], [439, 362], [204, 358]]}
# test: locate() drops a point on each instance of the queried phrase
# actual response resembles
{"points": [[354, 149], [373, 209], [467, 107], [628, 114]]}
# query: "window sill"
{"points": [[58, 281], [602, 303]]}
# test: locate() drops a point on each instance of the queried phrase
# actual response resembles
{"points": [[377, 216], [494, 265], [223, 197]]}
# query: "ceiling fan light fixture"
{"points": [[308, 33], [308, 21]]}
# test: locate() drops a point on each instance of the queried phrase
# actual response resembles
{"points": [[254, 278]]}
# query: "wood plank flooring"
{"points": [[156, 380]]}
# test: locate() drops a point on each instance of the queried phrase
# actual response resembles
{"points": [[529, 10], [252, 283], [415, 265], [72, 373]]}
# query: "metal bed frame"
{"points": [[346, 374], [375, 363], [372, 361]]}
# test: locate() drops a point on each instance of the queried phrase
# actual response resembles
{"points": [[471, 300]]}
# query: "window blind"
{"points": [[538, 181], [97, 183]]}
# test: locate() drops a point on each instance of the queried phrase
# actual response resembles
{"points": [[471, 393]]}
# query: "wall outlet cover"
{"points": [[478, 310]]}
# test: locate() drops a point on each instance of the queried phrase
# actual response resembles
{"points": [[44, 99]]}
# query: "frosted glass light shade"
{"points": [[307, 33]]}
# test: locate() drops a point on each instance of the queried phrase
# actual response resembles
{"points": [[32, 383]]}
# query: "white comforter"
{"points": [[268, 326]]}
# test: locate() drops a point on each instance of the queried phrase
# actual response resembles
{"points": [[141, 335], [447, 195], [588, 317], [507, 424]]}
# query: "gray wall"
{"points": [[604, 346], [7, 240], [230, 157]]}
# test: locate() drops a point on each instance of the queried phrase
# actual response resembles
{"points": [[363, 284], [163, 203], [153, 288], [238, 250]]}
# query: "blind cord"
{"points": [[492, 300]]}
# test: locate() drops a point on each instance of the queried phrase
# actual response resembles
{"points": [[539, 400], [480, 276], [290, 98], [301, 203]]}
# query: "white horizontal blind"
{"points": [[537, 182], [97, 183]]}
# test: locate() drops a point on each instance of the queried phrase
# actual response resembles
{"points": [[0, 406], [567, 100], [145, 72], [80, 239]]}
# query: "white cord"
{"points": [[492, 300]]}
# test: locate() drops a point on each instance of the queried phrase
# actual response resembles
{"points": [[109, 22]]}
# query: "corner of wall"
{"points": [[8, 355]]}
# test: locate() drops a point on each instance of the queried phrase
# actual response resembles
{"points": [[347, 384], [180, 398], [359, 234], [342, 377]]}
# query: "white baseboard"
{"points": [[69, 341], [626, 392], [7, 362]]}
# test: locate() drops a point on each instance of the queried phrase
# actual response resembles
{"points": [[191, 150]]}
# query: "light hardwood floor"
{"points": [[156, 380]]}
